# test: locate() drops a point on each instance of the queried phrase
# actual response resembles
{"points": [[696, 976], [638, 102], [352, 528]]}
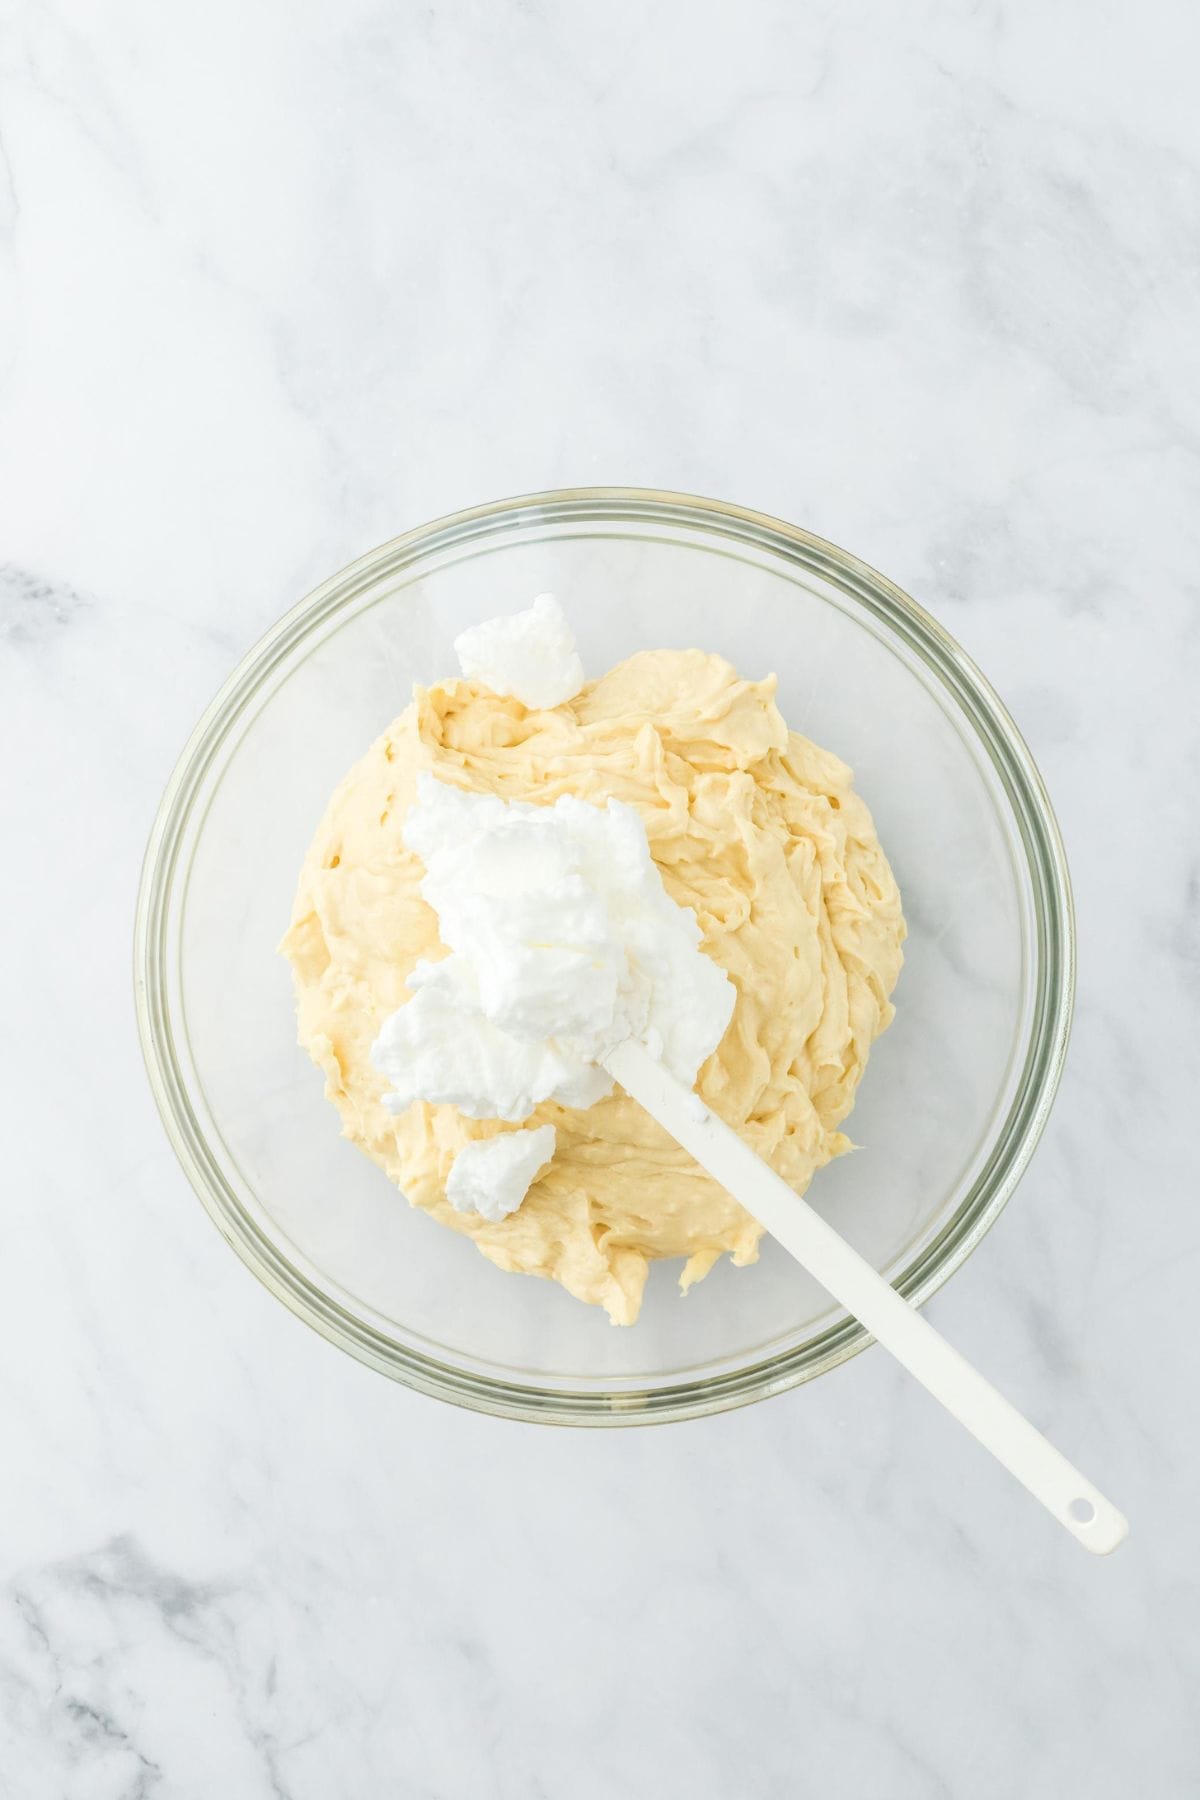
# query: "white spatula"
{"points": [[974, 1402]]}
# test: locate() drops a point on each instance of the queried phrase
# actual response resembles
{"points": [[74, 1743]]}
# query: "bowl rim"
{"points": [[1054, 958]]}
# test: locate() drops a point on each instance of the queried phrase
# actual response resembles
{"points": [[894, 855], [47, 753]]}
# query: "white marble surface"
{"points": [[279, 280]]}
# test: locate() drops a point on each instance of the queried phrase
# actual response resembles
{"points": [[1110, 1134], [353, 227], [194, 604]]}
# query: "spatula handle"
{"points": [[899, 1327]]}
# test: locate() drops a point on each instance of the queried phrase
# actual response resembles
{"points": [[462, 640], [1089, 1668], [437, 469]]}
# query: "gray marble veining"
{"points": [[280, 280]]}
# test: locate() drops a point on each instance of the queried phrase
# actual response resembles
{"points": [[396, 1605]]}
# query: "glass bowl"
{"points": [[957, 1091]]}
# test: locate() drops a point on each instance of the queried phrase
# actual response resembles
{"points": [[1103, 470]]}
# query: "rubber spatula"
{"points": [[899, 1327]]}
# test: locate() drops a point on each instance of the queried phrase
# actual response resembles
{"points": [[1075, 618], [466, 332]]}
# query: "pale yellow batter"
{"points": [[756, 829]]}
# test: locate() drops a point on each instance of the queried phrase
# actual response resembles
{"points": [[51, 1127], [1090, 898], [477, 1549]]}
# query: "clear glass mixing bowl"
{"points": [[956, 1093]]}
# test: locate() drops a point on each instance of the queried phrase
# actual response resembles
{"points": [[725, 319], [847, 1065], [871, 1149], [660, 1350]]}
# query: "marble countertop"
{"points": [[280, 280]]}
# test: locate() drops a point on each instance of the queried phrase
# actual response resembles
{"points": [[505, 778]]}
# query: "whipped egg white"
{"points": [[562, 942]]}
